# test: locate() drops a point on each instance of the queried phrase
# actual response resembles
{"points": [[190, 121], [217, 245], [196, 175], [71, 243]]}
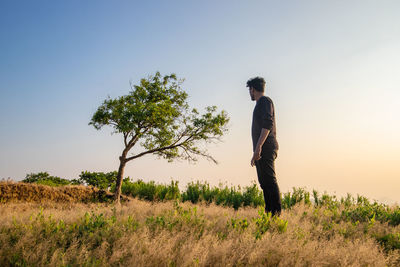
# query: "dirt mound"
{"points": [[25, 192]]}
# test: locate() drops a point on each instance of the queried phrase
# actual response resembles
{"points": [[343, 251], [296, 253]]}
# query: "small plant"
{"points": [[252, 196], [131, 223], [394, 217], [265, 222], [292, 198], [238, 224], [389, 241], [92, 222], [192, 192]]}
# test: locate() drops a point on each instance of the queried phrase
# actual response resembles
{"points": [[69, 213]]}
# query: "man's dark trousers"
{"points": [[266, 176]]}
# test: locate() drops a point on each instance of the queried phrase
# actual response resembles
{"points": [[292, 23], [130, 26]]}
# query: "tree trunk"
{"points": [[120, 177]]}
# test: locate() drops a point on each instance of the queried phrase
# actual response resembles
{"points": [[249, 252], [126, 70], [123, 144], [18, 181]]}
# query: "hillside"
{"points": [[172, 233]]}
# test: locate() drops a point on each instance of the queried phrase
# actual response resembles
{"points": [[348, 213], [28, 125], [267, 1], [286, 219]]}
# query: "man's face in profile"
{"points": [[251, 92]]}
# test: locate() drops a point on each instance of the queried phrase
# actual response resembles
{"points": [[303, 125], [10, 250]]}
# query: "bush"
{"points": [[192, 193], [45, 179], [170, 192], [252, 196], [394, 217], [389, 241], [98, 179], [266, 221], [298, 195], [149, 191]]}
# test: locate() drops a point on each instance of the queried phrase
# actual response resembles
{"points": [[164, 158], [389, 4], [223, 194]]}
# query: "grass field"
{"points": [[322, 231]]}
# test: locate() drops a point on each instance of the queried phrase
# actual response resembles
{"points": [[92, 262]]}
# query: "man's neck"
{"points": [[258, 96]]}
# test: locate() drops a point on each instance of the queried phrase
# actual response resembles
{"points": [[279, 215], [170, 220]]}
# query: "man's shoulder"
{"points": [[265, 100], [268, 99]]}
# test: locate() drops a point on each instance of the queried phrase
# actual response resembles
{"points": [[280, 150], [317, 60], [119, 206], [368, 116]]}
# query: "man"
{"points": [[265, 145]]}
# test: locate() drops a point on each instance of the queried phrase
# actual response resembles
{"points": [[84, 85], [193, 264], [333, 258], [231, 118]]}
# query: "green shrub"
{"points": [[98, 179], [235, 198], [298, 195], [363, 211], [46, 179], [192, 192], [394, 217], [176, 219], [230, 197], [169, 192], [265, 222], [238, 224], [389, 241], [252, 196], [149, 191]]}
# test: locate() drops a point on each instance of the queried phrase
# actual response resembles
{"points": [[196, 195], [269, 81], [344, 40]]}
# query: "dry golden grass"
{"points": [[25, 192], [30, 235]]}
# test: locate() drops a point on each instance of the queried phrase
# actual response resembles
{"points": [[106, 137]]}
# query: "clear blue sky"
{"points": [[332, 70]]}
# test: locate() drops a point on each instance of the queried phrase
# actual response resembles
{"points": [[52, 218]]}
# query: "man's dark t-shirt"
{"points": [[264, 117]]}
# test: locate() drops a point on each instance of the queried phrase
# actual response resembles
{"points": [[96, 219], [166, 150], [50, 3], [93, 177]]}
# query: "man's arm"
{"points": [[265, 117], [260, 142]]}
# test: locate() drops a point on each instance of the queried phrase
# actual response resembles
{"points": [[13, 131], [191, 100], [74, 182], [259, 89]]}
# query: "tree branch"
{"points": [[125, 137], [174, 145], [114, 123], [133, 140]]}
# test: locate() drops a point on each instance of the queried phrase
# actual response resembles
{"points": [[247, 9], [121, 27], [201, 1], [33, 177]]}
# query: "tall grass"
{"points": [[355, 209], [172, 233]]}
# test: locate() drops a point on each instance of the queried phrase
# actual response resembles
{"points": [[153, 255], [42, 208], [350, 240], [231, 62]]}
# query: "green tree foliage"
{"points": [[98, 179], [155, 114], [46, 179]]}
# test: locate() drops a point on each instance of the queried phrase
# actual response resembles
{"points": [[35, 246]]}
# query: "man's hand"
{"points": [[261, 140], [256, 156]]}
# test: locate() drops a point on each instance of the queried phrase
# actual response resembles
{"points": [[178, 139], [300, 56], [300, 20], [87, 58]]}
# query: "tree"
{"points": [[98, 179], [47, 179], [157, 114]]}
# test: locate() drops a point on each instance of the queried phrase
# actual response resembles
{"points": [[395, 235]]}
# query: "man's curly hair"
{"points": [[258, 83]]}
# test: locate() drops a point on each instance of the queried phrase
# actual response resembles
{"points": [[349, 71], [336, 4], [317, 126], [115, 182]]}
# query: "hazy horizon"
{"points": [[331, 69]]}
